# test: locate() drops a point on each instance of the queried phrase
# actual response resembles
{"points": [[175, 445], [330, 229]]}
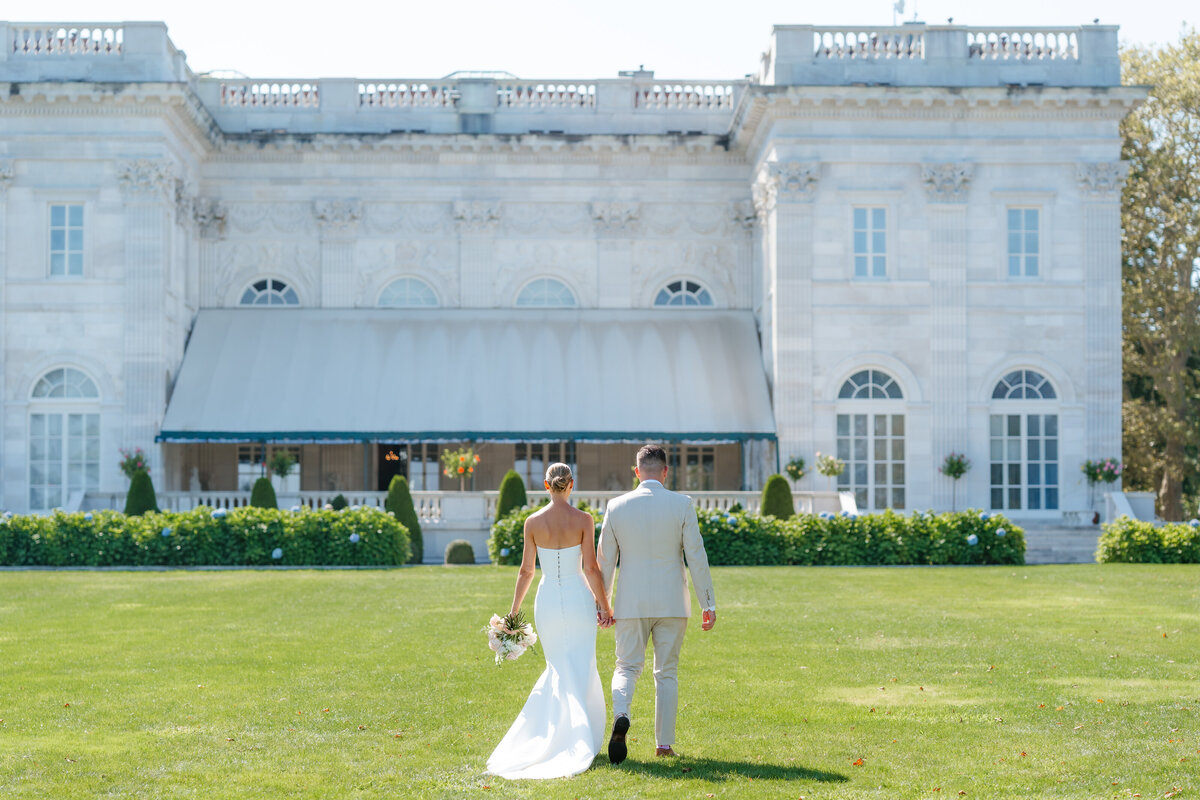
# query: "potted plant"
{"points": [[280, 464], [1105, 470], [954, 467], [795, 469], [830, 467], [459, 464]]}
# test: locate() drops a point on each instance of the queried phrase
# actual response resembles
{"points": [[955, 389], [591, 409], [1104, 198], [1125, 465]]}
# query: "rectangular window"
{"points": [[66, 239], [1024, 461], [530, 460], [872, 446], [252, 465], [691, 468], [64, 458], [870, 242], [1023, 242]]}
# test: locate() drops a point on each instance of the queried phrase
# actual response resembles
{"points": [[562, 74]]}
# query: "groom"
{"points": [[649, 531]]}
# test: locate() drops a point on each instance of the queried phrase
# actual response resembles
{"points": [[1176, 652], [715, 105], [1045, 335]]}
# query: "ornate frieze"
{"points": [[477, 216], [1102, 179], [337, 217], [785, 181], [947, 183], [209, 214], [743, 214], [615, 217], [146, 176]]}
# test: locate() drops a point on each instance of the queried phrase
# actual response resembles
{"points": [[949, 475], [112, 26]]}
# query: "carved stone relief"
{"points": [[476, 216], [947, 183], [146, 176], [614, 217], [518, 262], [239, 263], [1103, 179]]}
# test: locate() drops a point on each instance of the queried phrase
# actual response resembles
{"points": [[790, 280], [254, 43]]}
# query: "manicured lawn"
{"points": [[819, 682]]}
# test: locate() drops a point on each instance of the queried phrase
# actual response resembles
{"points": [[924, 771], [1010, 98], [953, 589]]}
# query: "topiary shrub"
{"points": [[777, 498], [460, 552], [263, 494], [512, 494], [339, 502], [141, 497], [400, 503], [506, 544]]}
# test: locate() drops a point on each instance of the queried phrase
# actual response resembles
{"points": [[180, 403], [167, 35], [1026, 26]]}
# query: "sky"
{"points": [[554, 39]]}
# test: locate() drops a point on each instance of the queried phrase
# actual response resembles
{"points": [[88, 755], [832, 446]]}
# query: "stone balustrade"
{"points": [[270, 94], [73, 39], [406, 94], [545, 94], [1023, 44], [832, 43]]}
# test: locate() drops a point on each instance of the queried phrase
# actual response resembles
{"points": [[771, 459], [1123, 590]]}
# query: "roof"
{"points": [[469, 375]]}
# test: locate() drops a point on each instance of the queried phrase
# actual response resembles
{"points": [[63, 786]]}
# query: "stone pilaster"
{"points": [[785, 192], [6, 178], [148, 190], [477, 221], [1100, 185], [337, 223], [946, 187], [616, 223]]}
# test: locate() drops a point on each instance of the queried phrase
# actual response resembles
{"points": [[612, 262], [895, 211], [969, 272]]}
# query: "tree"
{"points": [[777, 498], [512, 494], [400, 503], [141, 497], [263, 494], [1161, 272]]}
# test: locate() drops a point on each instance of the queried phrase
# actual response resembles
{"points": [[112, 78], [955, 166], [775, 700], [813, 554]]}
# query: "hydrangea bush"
{"points": [[204, 537], [1142, 542]]}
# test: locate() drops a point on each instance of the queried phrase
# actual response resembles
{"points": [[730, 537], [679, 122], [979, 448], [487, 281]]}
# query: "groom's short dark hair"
{"points": [[652, 457]]}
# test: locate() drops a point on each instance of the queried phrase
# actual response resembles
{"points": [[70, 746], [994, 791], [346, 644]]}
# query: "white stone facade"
{"points": [[923, 140]]}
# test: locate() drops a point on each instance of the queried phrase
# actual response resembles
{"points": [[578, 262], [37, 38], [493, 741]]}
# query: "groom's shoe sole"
{"points": [[616, 743]]}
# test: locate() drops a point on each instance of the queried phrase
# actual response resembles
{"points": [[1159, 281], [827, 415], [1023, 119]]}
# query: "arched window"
{"points": [[64, 438], [407, 293], [1023, 442], [683, 293], [1023, 384], [269, 292], [870, 384], [870, 440], [65, 382], [546, 292]]}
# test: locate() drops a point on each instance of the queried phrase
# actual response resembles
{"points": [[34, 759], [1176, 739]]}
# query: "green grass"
{"points": [[296, 684]]}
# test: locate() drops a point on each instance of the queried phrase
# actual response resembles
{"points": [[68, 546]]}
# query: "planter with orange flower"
{"points": [[459, 464]]}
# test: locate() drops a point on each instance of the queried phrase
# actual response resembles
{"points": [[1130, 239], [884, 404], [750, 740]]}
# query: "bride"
{"points": [[561, 727]]}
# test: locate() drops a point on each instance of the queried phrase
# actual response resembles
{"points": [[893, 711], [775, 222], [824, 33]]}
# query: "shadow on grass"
{"points": [[714, 770]]}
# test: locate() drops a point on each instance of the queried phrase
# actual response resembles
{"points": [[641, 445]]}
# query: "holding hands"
{"points": [[604, 616]]}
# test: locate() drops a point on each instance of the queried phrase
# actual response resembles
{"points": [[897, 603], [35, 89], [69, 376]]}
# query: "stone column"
{"points": [[946, 188], [6, 498], [477, 221], [615, 222], [210, 215], [1100, 184], [337, 222], [785, 192], [148, 189]]}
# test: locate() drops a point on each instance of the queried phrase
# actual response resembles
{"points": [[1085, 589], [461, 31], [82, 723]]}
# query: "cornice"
{"points": [[763, 104]]}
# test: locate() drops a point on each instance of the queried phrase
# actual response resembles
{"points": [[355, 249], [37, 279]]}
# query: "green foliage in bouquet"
{"points": [[796, 468], [263, 494], [400, 503], [460, 552], [141, 497], [512, 494], [777, 498]]}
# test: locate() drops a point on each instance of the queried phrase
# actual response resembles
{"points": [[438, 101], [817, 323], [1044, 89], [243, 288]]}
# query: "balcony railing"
{"points": [[1023, 44], [868, 43], [77, 38], [271, 94]]}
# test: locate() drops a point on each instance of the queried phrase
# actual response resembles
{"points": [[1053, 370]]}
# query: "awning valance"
{"points": [[302, 375]]}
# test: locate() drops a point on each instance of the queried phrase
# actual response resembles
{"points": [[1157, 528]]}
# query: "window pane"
{"points": [[878, 241], [860, 474], [58, 264], [1052, 474], [897, 498], [881, 473], [1014, 498], [1052, 498], [75, 240], [860, 498], [1014, 219], [880, 498], [898, 474], [860, 424], [58, 215], [1034, 424], [997, 474], [996, 425], [1034, 449], [997, 498], [1035, 498], [1031, 243], [860, 218], [54, 424], [1014, 475], [860, 452], [58, 239], [878, 217], [1052, 424], [1031, 219], [1035, 474], [93, 422], [1014, 425], [1012, 450], [897, 424], [997, 452], [881, 425], [897, 449], [843, 422], [843, 449], [1052, 450]]}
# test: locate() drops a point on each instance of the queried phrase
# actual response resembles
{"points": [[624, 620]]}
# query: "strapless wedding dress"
{"points": [[561, 727]]}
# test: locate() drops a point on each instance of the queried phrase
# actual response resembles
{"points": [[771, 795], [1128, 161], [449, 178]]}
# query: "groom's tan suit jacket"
{"points": [[649, 532]]}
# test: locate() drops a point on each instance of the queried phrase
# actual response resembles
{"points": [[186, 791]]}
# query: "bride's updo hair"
{"points": [[559, 477]]}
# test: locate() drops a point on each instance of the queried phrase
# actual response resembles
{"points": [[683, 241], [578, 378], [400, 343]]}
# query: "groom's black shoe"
{"points": [[616, 743]]}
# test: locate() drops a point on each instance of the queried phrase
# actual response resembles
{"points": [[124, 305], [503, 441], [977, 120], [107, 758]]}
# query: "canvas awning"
{"points": [[305, 375]]}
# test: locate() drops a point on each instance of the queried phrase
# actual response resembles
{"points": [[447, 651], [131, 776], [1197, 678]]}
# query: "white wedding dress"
{"points": [[561, 727]]}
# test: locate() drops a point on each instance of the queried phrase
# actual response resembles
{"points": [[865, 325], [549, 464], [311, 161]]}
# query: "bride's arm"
{"points": [[525, 574], [591, 569]]}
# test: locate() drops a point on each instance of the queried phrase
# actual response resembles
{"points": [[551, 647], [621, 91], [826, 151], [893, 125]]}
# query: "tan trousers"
{"points": [[632, 635]]}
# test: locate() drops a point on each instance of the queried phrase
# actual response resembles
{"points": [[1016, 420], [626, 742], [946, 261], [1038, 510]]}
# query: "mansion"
{"points": [[886, 244]]}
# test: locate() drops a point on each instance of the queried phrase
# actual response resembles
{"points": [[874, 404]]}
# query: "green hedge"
{"points": [[741, 538], [885, 538], [506, 545], [201, 537], [1141, 542]]}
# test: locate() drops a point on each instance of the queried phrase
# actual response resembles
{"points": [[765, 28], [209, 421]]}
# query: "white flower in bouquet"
{"points": [[509, 637]]}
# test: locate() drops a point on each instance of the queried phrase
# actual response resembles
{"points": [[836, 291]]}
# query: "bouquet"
{"points": [[509, 637]]}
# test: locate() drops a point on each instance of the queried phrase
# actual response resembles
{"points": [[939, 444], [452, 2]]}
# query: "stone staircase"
{"points": [[1054, 543]]}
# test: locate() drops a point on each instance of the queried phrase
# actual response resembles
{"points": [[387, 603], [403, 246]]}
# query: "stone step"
{"points": [[1051, 544]]}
